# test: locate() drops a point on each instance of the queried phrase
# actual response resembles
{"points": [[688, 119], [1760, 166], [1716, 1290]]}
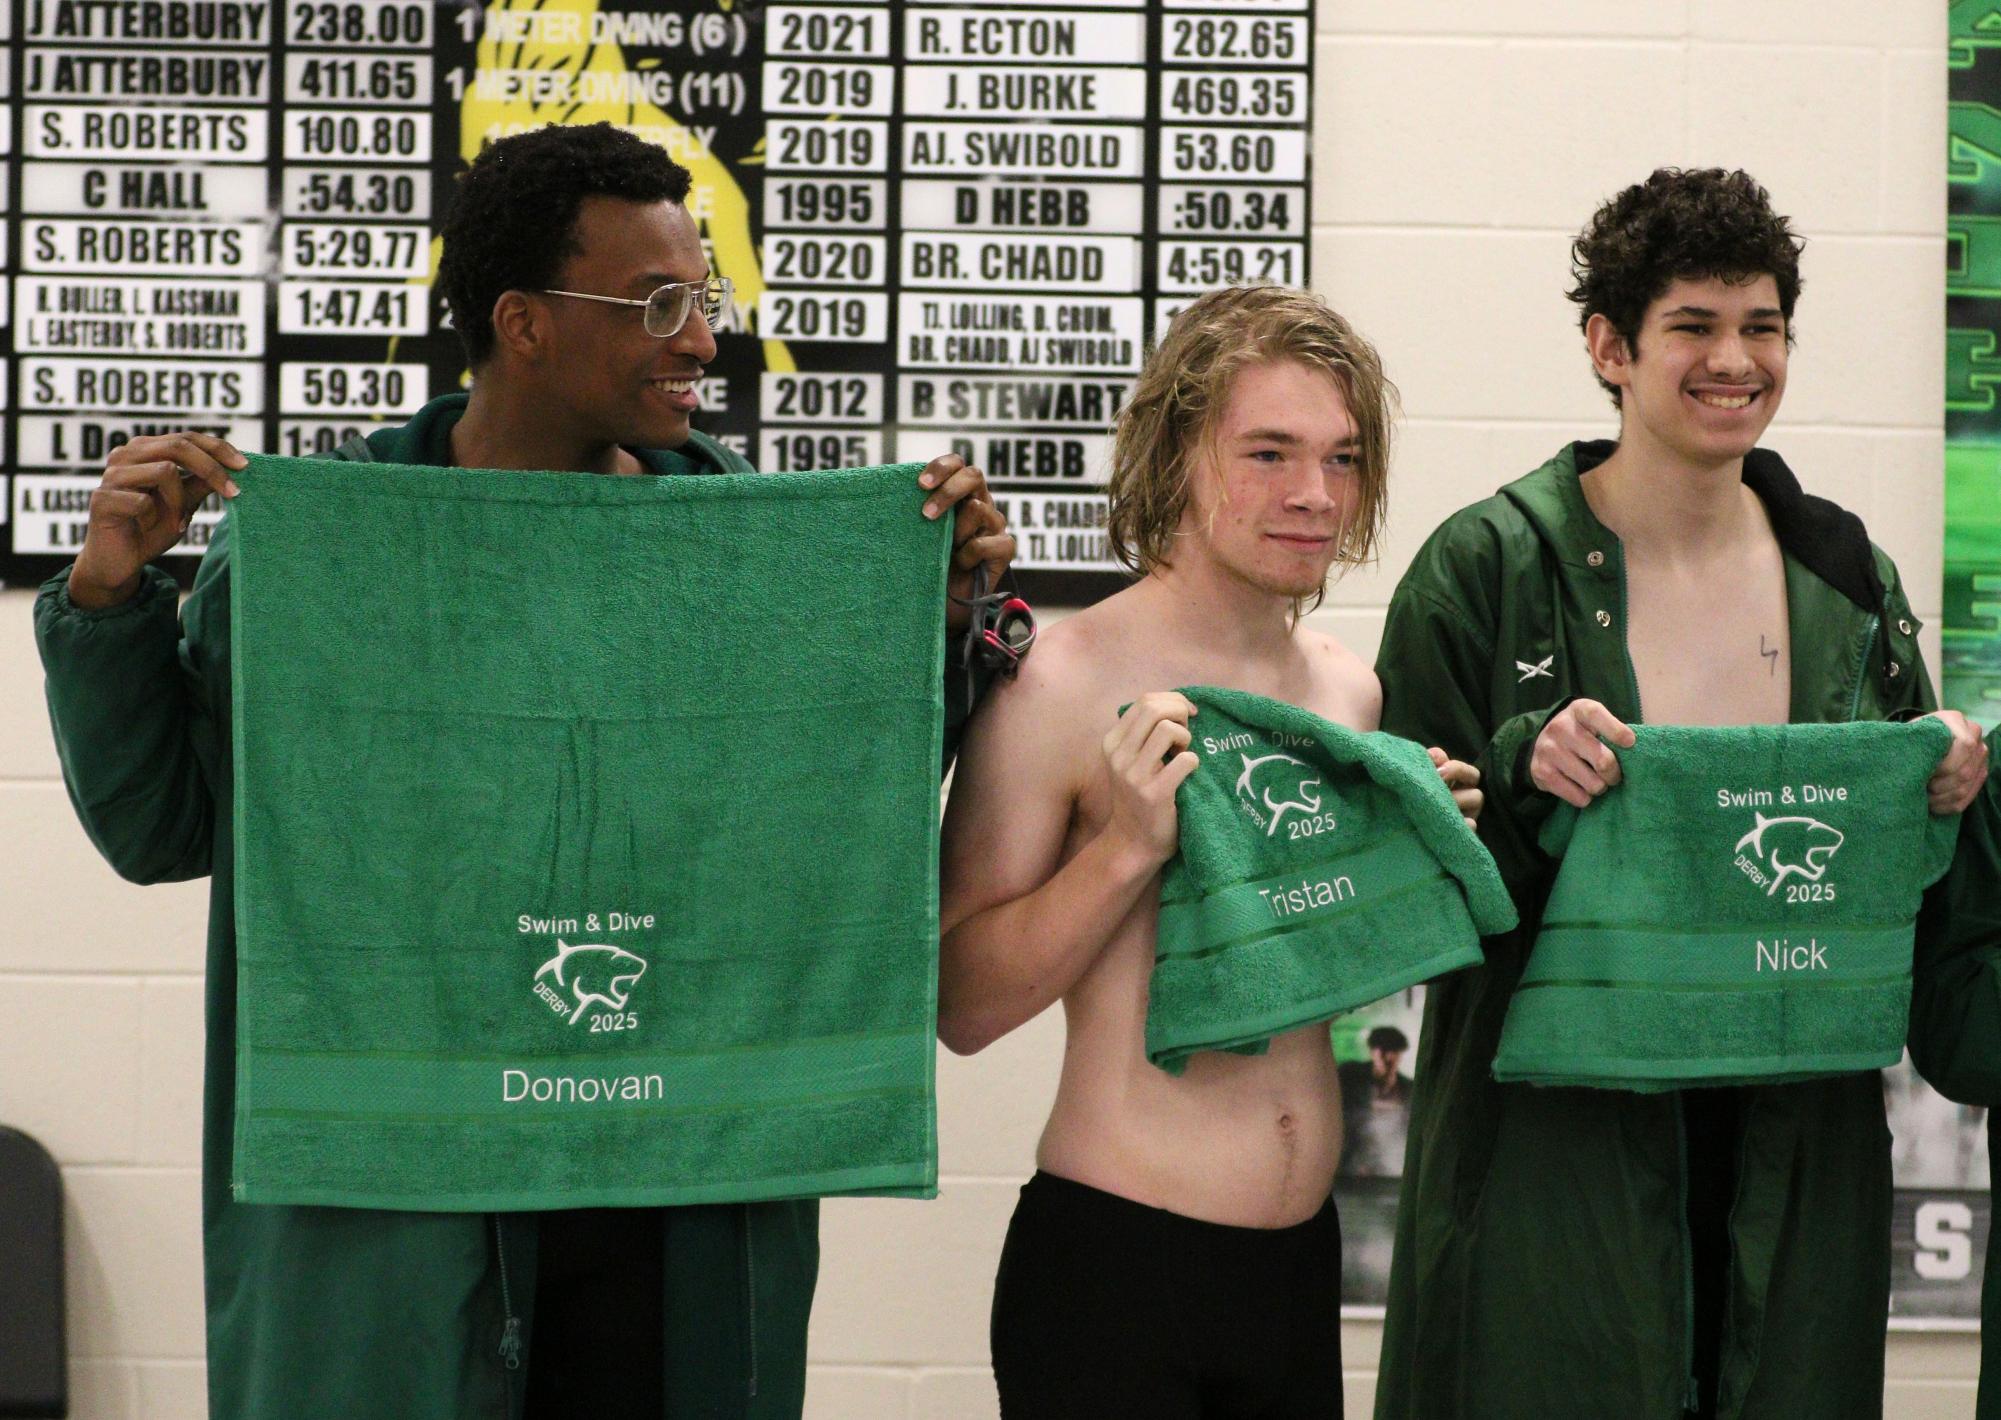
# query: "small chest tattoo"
{"points": [[1770, 654]]}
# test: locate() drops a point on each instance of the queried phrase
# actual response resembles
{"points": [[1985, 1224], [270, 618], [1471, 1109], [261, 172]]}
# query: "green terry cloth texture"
{"points": [[1739, 909], [1319, 869], [559, 886]]}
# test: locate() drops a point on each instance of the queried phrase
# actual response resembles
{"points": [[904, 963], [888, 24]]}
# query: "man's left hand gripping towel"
{"points": [[586, 836]]}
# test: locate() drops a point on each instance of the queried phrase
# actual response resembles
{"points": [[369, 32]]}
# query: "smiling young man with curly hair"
{"points": [[1576, 1252]]}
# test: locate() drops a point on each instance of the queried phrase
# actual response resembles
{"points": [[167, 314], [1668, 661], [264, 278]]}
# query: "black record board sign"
{"points": [[952, 226]]}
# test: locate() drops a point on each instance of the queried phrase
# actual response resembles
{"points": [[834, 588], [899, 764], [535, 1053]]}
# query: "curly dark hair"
{"points": [[513, 221], [1680, 225]]}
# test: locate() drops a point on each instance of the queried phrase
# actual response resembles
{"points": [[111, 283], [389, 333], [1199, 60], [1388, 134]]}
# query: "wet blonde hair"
{"points": [[1170, 420]]}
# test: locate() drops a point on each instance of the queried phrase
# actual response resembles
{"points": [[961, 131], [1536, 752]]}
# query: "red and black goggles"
{"points": [[1003, 629]]}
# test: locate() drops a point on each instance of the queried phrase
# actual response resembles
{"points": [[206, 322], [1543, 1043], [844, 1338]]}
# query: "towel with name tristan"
{"points": [[1319, 869]]}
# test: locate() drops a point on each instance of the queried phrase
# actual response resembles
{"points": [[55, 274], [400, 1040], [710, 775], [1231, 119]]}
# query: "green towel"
{"points": [[585, 836], [1739, 909], [1320, 869]]}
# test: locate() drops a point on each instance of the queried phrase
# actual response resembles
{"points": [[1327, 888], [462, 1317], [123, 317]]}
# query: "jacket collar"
{"points": [[427, 440], [1821, 536]]}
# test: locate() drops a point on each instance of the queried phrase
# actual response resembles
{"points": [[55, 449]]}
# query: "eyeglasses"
{"points": [[667, 308]]}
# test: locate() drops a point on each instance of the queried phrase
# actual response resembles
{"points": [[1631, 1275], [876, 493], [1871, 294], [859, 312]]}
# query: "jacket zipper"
{"points": [[1862, 668], [750, 1300], [1730, 1239], [510, 1333], [1694, 1400]]}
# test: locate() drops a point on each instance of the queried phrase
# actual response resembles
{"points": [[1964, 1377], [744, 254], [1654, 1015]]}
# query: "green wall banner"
{"points": [[1971, 670]]}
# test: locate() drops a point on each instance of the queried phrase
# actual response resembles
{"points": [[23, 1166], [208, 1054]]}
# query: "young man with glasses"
{"points": [[577, 282]]}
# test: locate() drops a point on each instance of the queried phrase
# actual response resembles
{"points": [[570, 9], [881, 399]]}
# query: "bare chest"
{"points": [[1712, 646]]}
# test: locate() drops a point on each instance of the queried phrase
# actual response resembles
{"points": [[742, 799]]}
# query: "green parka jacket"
{"points": [[1956, 1015], [347, 1314], [1542, 1266]]}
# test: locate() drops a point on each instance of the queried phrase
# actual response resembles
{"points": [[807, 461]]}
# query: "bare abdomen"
{"points": [[1251, 1141]]}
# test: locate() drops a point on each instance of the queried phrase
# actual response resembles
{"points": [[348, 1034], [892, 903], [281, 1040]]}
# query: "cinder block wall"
{"points": [[1459, 143]]}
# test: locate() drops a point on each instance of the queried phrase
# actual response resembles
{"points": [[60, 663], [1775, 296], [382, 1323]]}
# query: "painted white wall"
{"points": [[1459, 144]]}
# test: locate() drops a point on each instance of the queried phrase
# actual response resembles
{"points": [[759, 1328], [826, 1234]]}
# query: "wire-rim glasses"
{"points": [[668, 306]]}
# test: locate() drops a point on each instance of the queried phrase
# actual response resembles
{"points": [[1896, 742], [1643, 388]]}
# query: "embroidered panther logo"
{"points": [[595, 973], [1297, 792], [1793, 846]]}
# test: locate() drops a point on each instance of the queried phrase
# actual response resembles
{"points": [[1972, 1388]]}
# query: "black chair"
{"points": [[34, 1377]]}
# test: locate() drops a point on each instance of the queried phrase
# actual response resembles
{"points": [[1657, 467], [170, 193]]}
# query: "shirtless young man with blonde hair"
{"points": [[1177, 1253]]}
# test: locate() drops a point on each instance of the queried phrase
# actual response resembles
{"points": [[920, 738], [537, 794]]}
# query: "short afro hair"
{"points": [[1680, 225], [513, 222]]}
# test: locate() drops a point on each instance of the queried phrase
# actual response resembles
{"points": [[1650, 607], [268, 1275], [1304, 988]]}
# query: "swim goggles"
{"points": [[1003, 629]]}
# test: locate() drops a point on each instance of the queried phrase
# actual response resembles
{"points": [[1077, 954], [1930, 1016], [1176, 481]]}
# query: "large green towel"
{"points": [[586, 836], [1739, 909], [1319, 869]]}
